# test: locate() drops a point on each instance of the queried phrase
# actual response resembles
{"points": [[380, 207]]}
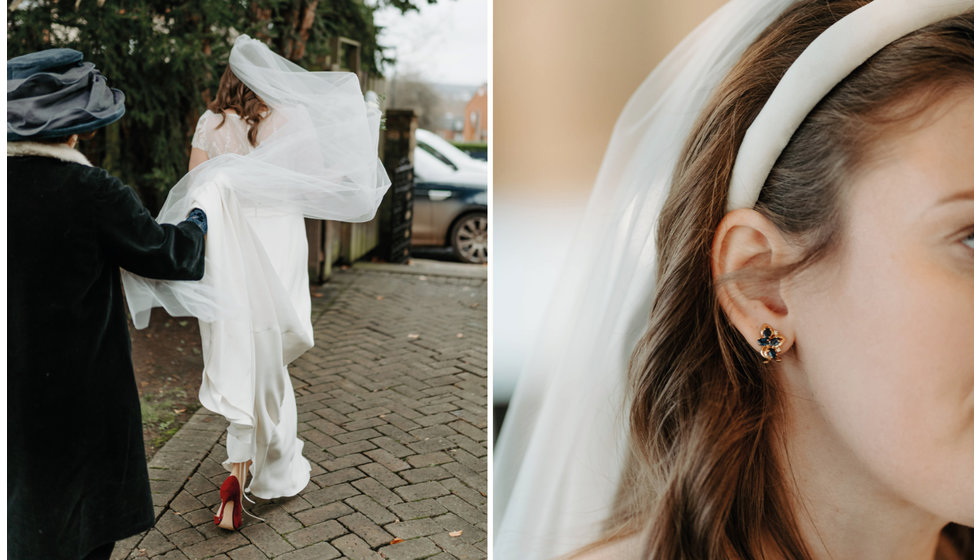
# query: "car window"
{"points": [[437, 154]]}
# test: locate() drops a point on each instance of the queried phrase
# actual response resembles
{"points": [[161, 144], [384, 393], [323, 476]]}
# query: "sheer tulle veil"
{"points": [[563, 443], [558, 458], [321, 161]]}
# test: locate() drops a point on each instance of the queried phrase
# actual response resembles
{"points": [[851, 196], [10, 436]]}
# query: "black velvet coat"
{"points": [[76, 471]]}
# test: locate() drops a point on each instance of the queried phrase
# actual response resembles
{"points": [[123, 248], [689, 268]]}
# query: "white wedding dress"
{"points": [[262, 421], [316, 157]]}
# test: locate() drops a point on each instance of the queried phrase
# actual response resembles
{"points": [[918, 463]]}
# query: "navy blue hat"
{"points": [[52, 93]]}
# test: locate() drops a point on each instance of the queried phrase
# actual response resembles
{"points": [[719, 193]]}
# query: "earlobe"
{"points": [[747, 255]]}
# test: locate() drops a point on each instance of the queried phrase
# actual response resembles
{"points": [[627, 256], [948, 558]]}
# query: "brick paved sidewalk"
{"points": [[392, 410]]}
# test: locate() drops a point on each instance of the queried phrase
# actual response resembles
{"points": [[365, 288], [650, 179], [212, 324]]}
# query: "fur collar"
{"points": [[56, 151]]}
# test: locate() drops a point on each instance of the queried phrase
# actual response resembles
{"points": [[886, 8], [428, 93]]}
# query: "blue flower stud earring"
{"points": [[770, 342]]}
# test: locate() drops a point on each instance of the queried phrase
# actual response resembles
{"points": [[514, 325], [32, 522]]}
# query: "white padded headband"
{"points": [[833, 55]]}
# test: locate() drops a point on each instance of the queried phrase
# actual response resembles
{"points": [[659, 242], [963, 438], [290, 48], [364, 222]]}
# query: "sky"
{"points": [[445, 42]]}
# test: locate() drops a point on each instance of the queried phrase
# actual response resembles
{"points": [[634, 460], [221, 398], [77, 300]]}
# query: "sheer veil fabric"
{"points": [[317, 157], [563, 443]]}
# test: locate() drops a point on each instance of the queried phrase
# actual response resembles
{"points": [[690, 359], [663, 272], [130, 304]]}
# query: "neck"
{"points": [[842, 509]]}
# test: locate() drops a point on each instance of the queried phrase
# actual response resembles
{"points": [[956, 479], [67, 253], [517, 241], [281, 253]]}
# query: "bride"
{"points": [[276, 144], [779, 288]]}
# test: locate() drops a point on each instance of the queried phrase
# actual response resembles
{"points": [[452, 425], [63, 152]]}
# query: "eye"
{"points": [[968, 241]]}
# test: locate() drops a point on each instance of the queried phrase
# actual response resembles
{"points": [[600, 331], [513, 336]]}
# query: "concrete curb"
{"points": [[428, 267]]}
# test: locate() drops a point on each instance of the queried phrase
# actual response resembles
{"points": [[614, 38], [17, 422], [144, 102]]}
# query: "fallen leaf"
{"points": [[459, 335], [179, 410], [316, 294], [396, 541], [379, 298], [455, 533], [413, 336], [182, 323]]}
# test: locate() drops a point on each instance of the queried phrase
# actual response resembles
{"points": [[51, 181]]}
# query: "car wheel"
{"points": [[469, 238]]}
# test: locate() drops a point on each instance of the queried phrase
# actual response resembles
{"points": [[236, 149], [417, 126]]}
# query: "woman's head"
{"points": [[235, 96], [712, 426]]}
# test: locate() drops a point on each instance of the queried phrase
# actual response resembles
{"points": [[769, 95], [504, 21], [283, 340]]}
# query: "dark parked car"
{"points": [[450, 206]]}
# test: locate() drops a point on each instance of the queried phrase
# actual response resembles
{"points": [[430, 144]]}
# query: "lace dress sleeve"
{"points": [[216, 138], [199, 141]]}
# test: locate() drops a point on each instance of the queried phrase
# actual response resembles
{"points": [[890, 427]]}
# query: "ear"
{"points": [[746, 254]]}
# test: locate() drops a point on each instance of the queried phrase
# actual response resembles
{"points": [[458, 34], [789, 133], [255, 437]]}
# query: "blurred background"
{"points": [[562, 72]]}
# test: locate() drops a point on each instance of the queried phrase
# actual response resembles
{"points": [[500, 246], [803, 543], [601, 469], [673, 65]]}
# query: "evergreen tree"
{"points": [[167, 57]]}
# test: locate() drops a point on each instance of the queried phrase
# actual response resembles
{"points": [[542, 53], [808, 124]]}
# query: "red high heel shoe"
{"points": [[231, 492]]}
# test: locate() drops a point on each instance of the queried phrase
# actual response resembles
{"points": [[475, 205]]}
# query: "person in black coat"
{"points": [[76, 474]]}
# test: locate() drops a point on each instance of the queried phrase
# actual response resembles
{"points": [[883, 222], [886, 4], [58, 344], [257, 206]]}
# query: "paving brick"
{"points": [[319, 551], [387, 460], [267, 539], [354, 547], [186, 538], [414, 528], [392, 446], [377, 491], [220, 543], [429, 459], [345, 462], [358, 435], [372, 509], [170, 523], [316, 533], [337, 477], [466, 511], [425, 474], [458, 548], [421, 491], [382, 475], [366, 529], [330, 494], [199, 516], [451, 523], [249, 552], [461, 456], [397, 434], [279, 519], [419, 509], [198, 484], [316, 515], [156, 543], [410, 550], [173, 555], [469, 430], [473, 497], [185, 502]]}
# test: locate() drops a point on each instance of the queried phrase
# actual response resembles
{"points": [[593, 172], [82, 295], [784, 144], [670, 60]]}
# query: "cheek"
{"points": [[887, 349]]}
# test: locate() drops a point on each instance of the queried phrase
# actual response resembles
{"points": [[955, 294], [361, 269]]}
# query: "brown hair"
{"points": [[233, 94], [705, 479]]}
